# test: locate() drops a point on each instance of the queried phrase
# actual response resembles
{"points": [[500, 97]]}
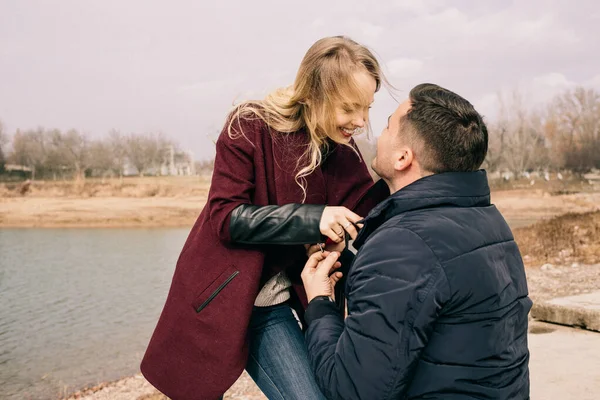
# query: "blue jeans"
{"points": [[278, 360]]}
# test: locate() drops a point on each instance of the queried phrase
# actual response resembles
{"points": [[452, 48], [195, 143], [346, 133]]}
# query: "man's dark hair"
{"points": [[453, 135]]}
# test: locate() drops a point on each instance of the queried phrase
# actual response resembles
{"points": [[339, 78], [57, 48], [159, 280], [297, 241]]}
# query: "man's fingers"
{"points": [[313, 249], [327, 263], [335, 278], [311, 265], [334, 267], [315, 259]]}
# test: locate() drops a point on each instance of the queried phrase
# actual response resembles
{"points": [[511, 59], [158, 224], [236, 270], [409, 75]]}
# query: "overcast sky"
{"points": [[177, 66]]}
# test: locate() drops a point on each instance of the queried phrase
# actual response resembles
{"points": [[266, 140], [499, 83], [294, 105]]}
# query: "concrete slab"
{"points": [[564, 363], [580, 311]]}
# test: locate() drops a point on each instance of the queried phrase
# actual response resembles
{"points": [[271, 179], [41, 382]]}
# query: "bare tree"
{"points": [[147, 151], [3, 142], [573, 128], [117, 144], [102, 159], [496, 142], [32, 148], [522, 143], [72, 149], [167, 149], [204, 167]]}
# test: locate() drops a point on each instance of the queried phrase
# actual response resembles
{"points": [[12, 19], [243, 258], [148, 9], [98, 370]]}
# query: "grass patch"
{"points": [[565, 239]]}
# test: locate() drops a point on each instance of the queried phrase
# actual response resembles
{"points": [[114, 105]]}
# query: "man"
{"points": [[437, 296]]}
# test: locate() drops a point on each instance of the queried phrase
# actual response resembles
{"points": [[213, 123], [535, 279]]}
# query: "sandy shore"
{"points": [[520, 207], [100, 212]]}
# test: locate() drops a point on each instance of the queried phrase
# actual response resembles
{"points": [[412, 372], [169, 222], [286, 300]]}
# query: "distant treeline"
{"points": [[562, 135], [54, 154]]}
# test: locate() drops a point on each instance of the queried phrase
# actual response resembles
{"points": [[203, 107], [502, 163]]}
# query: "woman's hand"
{"points": [[335, 221]]}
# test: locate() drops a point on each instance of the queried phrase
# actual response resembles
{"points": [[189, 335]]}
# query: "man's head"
{"points": [[433, 131]]}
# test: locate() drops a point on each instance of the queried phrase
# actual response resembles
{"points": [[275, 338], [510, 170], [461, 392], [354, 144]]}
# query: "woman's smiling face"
{"points": [[352, 116]]}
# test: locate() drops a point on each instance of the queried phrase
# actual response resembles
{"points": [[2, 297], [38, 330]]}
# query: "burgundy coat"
{"points": [[199, 355]]}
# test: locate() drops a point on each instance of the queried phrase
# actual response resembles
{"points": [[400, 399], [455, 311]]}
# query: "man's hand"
{"points": [[339, 247], [319, 275]]}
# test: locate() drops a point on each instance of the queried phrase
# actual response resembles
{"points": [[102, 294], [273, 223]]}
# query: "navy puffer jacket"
{"points": [[437, 301]]}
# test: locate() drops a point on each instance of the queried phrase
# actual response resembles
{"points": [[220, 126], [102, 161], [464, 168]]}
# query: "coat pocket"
{"points": [[214, 288]]}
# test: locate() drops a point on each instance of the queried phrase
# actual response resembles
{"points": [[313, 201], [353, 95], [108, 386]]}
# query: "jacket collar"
{"points": [[456, 189]]}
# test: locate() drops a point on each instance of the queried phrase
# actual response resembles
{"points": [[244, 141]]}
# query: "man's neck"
{"points": [[399, 182]]}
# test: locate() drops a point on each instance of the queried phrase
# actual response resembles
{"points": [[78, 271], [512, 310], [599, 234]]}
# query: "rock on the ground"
{"points": [[579, 311]]}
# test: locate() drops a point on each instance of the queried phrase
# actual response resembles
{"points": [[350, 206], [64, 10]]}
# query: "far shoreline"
{"points": [[177, 201], [519, 207]]}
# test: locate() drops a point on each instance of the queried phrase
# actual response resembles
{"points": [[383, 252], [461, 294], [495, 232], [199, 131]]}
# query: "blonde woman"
{"points": [[287, 174]]}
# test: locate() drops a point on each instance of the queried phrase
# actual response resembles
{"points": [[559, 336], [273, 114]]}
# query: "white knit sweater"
{"points": [[275, 291]]}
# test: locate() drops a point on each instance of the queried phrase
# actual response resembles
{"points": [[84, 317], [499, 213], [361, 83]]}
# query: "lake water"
{"points": [[78, 306]]}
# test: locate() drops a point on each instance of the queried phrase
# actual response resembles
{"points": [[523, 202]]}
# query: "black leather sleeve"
{"points": [[287, 224]]}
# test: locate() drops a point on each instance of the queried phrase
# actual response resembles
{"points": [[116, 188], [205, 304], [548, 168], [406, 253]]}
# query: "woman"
{"points": [[278, 162]]}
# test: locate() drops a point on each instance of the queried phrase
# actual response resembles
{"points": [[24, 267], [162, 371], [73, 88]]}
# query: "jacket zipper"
{"points": [[216, 292]]}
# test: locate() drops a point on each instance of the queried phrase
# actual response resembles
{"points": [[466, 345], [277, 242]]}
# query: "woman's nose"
{"points": [[358, 121]]}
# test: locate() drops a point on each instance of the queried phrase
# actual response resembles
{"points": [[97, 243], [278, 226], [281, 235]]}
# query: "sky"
{"points": [[177, 67]]}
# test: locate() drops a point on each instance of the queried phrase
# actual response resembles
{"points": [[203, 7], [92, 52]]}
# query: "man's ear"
{"points": [[404, 159]]}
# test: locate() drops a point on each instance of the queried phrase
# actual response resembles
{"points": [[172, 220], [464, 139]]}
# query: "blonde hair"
{"points": [[325, 78]]}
